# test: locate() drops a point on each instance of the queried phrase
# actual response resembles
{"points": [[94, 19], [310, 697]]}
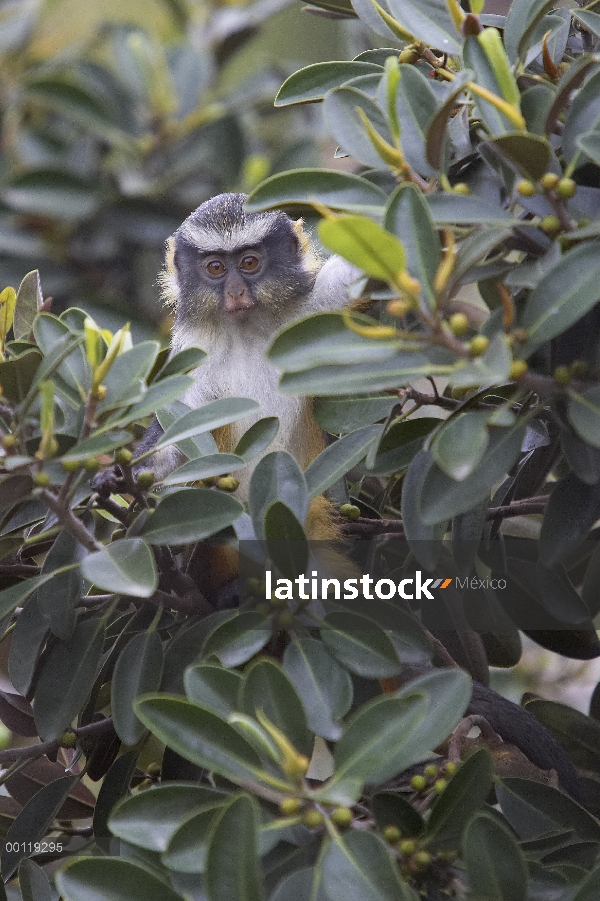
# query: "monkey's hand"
{"points": [[109, 481]]}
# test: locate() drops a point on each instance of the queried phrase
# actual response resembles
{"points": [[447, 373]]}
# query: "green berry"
{"points": [[418, 783], [550, 224], [407, 847], [450, 768], [461, 188], [228, 483], [350, 511], [422, 859], [430, 770], [145, 478], [566, 188], [392, 834], [9, 442], [313, 818], [518, 368], [579, 368], [153, 769], [478, 345], [123, 456], [440, 786], [41, 479], [526, 188], [459, 324], [67, 739], [70, 465], [91, 464], [342, 816], [289, 807], [549, 181], [562, 375]]}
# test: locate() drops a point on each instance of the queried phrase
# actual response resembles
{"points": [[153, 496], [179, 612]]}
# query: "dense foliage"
{"points": [[476, 222]]}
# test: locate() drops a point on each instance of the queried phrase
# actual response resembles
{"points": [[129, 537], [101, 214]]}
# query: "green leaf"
{"points": [[492, 367], [111, 879], [33, 822], [460, 444], [520, 24], [400, 444], [157, 396], [239, 638], [359, 865], [391, 809], [277, 477], [66, 678], [74, 369], [365, 244], [313, 82], [115, 786], [454, 209], [476, 58], [27, 642], [268, 689], [324, 686], [191, 514], [206, 418], [213, 687], [33, 882], [16, 376], [424, 539], [98, 444], [57, 599], [533, 808], [29, 300], [285, 540], [183, 362], [52, 193], [530, 154], [347, 127], [589, 888], [137, 670], [125, 567], [590, 144], [495, 865], [430, 21], [337, 459], [66, 96], [16, 595], [583, 411], [131, 367], [188, 845], [407, 216], [257, 438], [572, 510], [199, 736], [442, 497], [360, 645], [325, 339], [338, 190], [416, 107], [234, 877], [204, 468], [583, 115], [336, 415], [568, 291], [150, 819], [467, 791]]}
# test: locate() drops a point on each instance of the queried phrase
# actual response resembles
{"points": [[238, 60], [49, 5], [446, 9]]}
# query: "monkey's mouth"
{"points": [[242, 314]]}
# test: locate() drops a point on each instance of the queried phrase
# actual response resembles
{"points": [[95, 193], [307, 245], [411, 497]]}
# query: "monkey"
{"points": [[233, 280]]}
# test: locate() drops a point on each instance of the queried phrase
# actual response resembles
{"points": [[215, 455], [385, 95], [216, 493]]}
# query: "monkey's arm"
{"points": [[332, 284], [515, 726]]}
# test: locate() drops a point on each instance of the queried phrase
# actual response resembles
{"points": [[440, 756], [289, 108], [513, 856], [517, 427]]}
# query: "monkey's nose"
{"points": [[238, 301]]}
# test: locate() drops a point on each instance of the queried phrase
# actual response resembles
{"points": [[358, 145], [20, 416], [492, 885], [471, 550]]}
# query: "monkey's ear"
{"points": [[303, 239]]}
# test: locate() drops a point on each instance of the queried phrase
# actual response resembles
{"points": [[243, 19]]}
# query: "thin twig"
{"points": [[72, 524], [31, 752]]}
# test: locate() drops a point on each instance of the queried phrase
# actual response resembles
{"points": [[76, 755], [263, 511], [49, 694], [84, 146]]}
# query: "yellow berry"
{"points": [[418, 783], [289, 807], [342, 816], [153, 769], [566, 188], [91, 464], [228, 483], [123, 456], [461, 188], [526, 188], [8, 442], [41, 479], [145, 478], [478, 345], [313, 818], [101, 392], [550, 224], [518, 368], [70, 465], [459, 324], [440, 786], [391, 834], [398, 307], [549, 181], [562, 375], [298, 767], [407, 847], [450, 768], [350, 511], [422, 859], [430, 770]]}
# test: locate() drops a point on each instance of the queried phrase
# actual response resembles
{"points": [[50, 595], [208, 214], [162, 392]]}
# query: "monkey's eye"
{"points": [[215, 268], [249, 263]]}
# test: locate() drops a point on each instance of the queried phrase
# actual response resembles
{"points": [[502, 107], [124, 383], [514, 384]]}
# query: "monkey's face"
{"points": [[237, 268]]}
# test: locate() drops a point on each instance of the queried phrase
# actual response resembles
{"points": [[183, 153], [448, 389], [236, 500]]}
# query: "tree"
{"points": [[481, 171]]}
